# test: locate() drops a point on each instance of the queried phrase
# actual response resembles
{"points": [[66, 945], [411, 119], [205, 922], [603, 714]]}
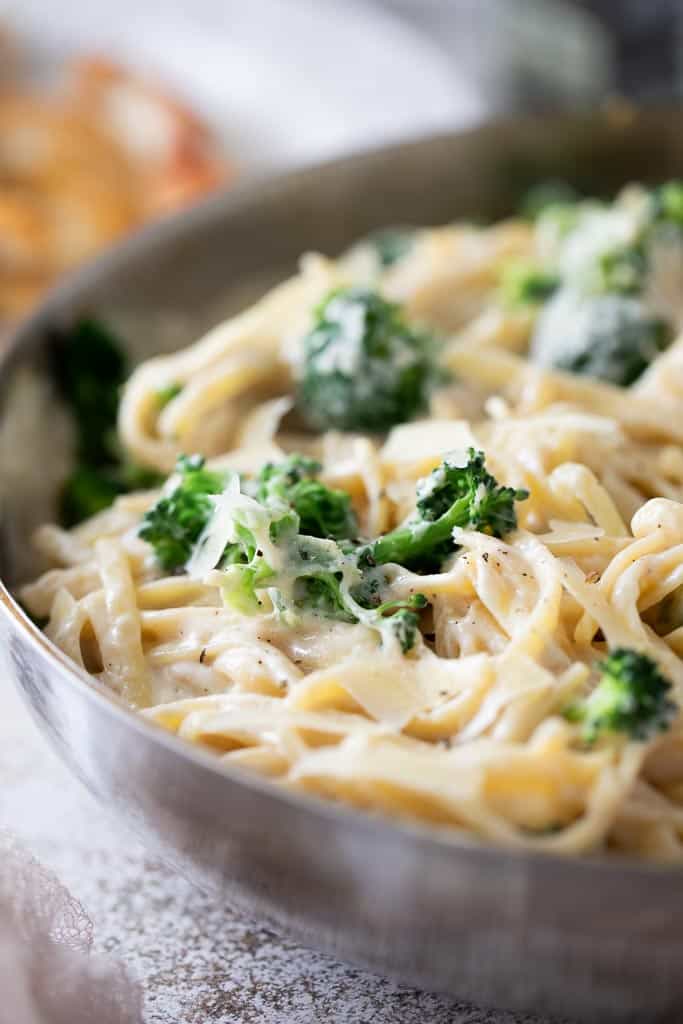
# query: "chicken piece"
{"points": [[170, 146], [81, 169]]}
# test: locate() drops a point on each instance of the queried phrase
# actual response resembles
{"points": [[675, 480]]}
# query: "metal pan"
{"points": [[595, 939]]}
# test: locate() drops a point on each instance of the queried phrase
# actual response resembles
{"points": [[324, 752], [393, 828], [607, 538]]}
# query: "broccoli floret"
{"points": [[173, 525], [245, 576], [526, 285], [611, 337], [133, 477], [364, 368], [405, 626], [322, 511], [89, 368], [314, 582], [667, 203], [451, 496], [323, 596], [86, 492], [207, 521], [89, 490], [623, 270], [314, 576], [404, 619], [599, 323], [631, 698]]}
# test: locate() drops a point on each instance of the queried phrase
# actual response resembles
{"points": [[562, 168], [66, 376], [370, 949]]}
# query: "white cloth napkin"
{"points": [[47, 973]]}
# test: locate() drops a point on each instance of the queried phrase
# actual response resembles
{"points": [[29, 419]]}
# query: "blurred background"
{"points": [[114, 114]]}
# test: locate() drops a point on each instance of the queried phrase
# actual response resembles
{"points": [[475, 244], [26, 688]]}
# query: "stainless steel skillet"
{"points": [[591, 939]]}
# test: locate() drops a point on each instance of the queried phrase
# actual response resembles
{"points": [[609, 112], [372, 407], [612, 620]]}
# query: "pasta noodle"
{"points": [[467, 731]]}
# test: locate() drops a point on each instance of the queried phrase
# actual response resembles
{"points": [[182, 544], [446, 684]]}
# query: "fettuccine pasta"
{"points": [[466, 729]]}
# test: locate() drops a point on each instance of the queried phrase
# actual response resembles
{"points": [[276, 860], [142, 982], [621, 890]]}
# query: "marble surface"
{"points": [[197, 963]]}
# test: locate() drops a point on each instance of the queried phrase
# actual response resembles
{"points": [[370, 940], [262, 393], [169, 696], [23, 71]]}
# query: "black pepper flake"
{"points": [[259, 552], [202, 656], [485, 556]]}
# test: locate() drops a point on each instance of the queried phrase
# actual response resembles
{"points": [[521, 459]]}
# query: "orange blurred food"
{"points": [[81, 168]]}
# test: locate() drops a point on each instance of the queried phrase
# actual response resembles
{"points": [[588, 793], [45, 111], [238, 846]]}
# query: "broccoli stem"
{"points": [[419, 539]]}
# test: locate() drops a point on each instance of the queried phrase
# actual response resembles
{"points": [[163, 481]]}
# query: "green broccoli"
{"points": [[526, 285], [304, 574], [599, 323], [89, 367], [364, 368], [322, 511], [623, 270], [246, 573], [631, 698], [86, 492], [174, 524], [451, 496], [90, 489], [404, 619], [319, 578], [611, 337], [667, 204], [323, 596], [275, 544], [267, 552], [132, 477]]}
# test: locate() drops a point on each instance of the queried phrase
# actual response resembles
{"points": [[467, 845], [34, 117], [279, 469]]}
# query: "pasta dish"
{"points": [[407, 533]]}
